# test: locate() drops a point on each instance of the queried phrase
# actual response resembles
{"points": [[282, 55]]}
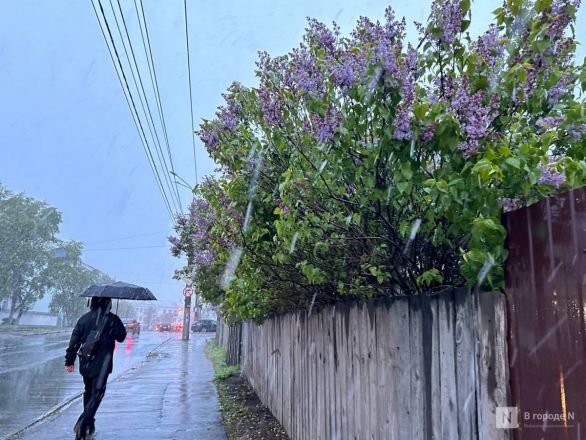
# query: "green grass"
{"points": [[217, 356]]}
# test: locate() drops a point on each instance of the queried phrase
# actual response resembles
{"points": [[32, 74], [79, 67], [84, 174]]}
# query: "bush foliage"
{"points": [[365, 166]]}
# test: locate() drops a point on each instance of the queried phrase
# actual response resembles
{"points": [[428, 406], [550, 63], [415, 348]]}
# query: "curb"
{"points": [[61, 406]]}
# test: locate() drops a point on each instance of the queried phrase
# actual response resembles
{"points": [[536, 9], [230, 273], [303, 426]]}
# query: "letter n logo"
{"points": [[507, 417]]}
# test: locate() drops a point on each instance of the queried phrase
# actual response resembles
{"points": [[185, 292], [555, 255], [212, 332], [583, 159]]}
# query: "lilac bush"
{"points": [[366, 166]]}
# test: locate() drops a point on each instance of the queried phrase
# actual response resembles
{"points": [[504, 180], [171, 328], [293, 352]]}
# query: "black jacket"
{"points": [[113, 330]]}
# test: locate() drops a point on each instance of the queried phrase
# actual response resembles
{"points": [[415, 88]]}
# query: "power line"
{"points": [[190, 93], [128, 237], [149, 116], [125, 248], [130, 101], [155, 83]]}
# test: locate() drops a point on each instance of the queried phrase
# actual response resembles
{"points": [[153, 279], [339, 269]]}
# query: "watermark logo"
{"points": [[507, 417]]}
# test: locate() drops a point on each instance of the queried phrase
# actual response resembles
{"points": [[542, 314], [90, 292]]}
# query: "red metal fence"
{"points": [[546, 284]]}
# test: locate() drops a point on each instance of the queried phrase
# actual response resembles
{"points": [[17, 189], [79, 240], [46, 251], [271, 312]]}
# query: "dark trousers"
{"points": [[95, 388]]}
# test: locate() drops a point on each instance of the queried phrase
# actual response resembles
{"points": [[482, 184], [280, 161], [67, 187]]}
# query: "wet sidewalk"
{"points": [[170, 396]]}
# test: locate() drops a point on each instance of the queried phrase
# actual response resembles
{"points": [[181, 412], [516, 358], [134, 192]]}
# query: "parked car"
{"points": [[204, 325], [132, 326], [163, 327]]}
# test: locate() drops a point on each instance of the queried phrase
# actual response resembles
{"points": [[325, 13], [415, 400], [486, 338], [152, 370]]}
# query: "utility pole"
{"points": [[186, 311]]}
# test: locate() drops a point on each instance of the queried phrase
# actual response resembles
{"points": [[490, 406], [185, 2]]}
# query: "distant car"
{"points": [[163, 327], [204, 325], [177, 326], [132, 326]]}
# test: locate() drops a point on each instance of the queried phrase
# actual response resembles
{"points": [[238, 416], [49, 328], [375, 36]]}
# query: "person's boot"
{"points": [[80, 430]]}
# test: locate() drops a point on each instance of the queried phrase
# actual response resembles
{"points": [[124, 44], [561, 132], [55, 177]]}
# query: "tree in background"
{"points": [[28, 229], [70, 278]]}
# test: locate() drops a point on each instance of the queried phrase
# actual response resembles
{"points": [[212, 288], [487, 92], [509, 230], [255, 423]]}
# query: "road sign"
{"points": [[187, 292]]}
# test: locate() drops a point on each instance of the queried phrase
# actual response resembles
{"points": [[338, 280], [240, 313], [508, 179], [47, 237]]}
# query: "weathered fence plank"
{"points": [[465, 340], [492, 368], [448, 390]]}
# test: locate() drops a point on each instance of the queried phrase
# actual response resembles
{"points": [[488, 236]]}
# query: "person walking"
{"points": [[93, 340]]}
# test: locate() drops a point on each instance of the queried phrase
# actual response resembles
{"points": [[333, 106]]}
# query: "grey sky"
{"points": [[67, 136]]}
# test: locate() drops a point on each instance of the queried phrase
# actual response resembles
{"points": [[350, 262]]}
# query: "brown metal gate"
{"points": [[545, 286]]}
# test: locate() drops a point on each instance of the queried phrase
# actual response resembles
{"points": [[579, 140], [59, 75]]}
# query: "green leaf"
{"points": [[541, 5], [406, 170], [430, 277], [514, 162]]}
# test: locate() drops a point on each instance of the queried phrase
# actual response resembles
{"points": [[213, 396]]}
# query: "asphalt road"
{"points": [[33, 379]]}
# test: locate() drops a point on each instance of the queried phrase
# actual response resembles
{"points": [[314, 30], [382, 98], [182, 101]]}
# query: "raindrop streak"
{"points": [[412, 151], [247, 216], [293, 243], [468, 400], [231, 267], [374, 81], [414, 228], [254, 179], [555, 272], [322, 166], [548, 335], [311, 305], [389, 193], [488, 264]]}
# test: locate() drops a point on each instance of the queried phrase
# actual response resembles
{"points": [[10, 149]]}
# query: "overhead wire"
{"points": [[127, 237], [146, 42], [190, 92], [115, 56], [144, 100], [126, 248]]}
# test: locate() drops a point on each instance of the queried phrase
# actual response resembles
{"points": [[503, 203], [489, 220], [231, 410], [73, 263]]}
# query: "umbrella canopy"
{"points": [[119, 290]]}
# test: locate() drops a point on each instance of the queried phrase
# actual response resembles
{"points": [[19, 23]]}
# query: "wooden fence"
{"points": [[417, 368]]}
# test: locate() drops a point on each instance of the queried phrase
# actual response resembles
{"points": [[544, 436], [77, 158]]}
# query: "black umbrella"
{"points": [[119, 290]]}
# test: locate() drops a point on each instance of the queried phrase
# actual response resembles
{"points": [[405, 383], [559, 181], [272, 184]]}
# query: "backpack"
{"points": [[89, 348]]}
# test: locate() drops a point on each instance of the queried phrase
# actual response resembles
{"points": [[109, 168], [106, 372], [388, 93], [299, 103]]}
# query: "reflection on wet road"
{"points": [[33, 380]]}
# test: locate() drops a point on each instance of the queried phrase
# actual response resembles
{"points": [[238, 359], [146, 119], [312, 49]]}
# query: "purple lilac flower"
{"points": [[549, 123], [475, 117], [318, 32], [393, 27], [227, 118], [489, 46], [510, 204], [428, 132], [285, 209], [562, 88], [204, 258], [271, 107], [447, 15], [344, 76], [560, 17], [367, 33], [305, 74], [407, 75], [324, 128], [550, 176], [577, 132], [208, 133], [402, 124]]}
